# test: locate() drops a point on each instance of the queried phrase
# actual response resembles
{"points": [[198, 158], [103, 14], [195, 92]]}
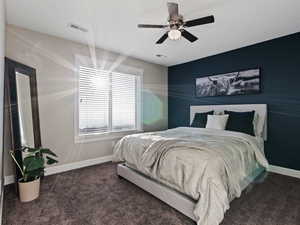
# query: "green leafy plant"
{"points": [[34, 160]]}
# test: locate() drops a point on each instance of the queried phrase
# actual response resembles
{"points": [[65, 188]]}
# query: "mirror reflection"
{"points": [[25, 110]]}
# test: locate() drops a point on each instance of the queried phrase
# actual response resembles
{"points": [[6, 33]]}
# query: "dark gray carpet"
{"points": [[95, 195]]}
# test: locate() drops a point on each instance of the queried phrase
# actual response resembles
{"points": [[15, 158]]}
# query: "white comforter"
{"points": [[206, 164]]}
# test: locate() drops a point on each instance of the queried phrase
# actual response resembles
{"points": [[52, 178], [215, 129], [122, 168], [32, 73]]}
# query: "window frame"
{"points": [[111, 134]]}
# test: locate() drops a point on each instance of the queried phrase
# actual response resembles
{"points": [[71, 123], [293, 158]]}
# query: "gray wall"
{"points": [[2, 51], [54, 60]]}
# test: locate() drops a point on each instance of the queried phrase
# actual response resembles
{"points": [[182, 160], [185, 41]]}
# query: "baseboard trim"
{"points": [[77, 165], [92, 162], [284, 171], [66, 167]]}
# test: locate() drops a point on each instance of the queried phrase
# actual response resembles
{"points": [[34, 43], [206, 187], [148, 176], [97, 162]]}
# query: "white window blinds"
{"points": [[107, 101], [123, 102]]}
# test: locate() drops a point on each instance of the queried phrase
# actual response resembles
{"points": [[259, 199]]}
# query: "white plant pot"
{"points": [[28, 191]]}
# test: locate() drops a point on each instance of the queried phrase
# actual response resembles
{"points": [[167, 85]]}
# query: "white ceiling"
{"points": [[112, 24]]}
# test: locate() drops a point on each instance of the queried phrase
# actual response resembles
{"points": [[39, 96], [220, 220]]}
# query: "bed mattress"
{"points": [[210, 166]]}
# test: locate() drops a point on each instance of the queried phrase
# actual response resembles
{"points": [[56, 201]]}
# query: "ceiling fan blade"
{"points": [[200, 21], [151, 26], [173, 9], [163, 38], [188, 36]]}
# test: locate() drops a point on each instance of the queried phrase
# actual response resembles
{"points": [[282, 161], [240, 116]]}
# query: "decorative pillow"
{"points": [[217, 121], [241, 122], [200, 119]]}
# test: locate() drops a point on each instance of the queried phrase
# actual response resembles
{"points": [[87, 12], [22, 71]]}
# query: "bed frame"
{"points": [[175, 199]]}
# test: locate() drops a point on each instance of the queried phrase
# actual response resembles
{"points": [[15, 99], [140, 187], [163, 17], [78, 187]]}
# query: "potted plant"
{"points": [[32, 169]]}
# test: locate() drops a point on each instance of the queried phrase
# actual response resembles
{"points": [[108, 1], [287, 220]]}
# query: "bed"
{"points": [[197, 171]]}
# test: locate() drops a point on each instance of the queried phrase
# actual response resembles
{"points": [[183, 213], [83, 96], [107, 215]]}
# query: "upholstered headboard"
{"points": [[260, 111]]}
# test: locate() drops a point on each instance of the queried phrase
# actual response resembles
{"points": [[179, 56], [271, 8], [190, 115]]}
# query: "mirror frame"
{"points": [[11, 68]]}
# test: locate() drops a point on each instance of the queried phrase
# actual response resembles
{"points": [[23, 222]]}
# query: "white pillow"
{"points": [[217, 121]]}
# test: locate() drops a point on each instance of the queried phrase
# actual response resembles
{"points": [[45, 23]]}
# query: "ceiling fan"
{"points": [[177, 24]]}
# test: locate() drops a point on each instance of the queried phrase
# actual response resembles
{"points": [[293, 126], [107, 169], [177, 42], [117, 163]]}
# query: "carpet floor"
{"points": [[96, 196]]}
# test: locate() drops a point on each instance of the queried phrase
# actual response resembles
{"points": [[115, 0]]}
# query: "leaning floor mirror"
{"points": [[23, 108]]}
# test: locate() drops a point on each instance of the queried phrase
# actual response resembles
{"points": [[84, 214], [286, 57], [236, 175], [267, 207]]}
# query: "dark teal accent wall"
{"points": [[279, 60]]}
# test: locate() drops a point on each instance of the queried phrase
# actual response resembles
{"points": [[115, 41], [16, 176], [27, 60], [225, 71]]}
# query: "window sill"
{"points": [[104, 136]]}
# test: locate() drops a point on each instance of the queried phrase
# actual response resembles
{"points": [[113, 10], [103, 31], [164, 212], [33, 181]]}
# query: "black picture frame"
{"points": [[256, 90]]}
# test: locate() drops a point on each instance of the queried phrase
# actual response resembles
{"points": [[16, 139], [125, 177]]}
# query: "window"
{"points": [[107, 101]]}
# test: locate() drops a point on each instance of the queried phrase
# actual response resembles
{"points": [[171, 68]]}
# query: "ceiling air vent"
{"points": [[77, 27]]}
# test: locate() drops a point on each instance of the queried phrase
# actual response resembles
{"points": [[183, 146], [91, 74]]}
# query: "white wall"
{"points": [[54, 60]]}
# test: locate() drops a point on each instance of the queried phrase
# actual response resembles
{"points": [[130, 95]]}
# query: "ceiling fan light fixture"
{"points": [[177, 25], [174, 34]]}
